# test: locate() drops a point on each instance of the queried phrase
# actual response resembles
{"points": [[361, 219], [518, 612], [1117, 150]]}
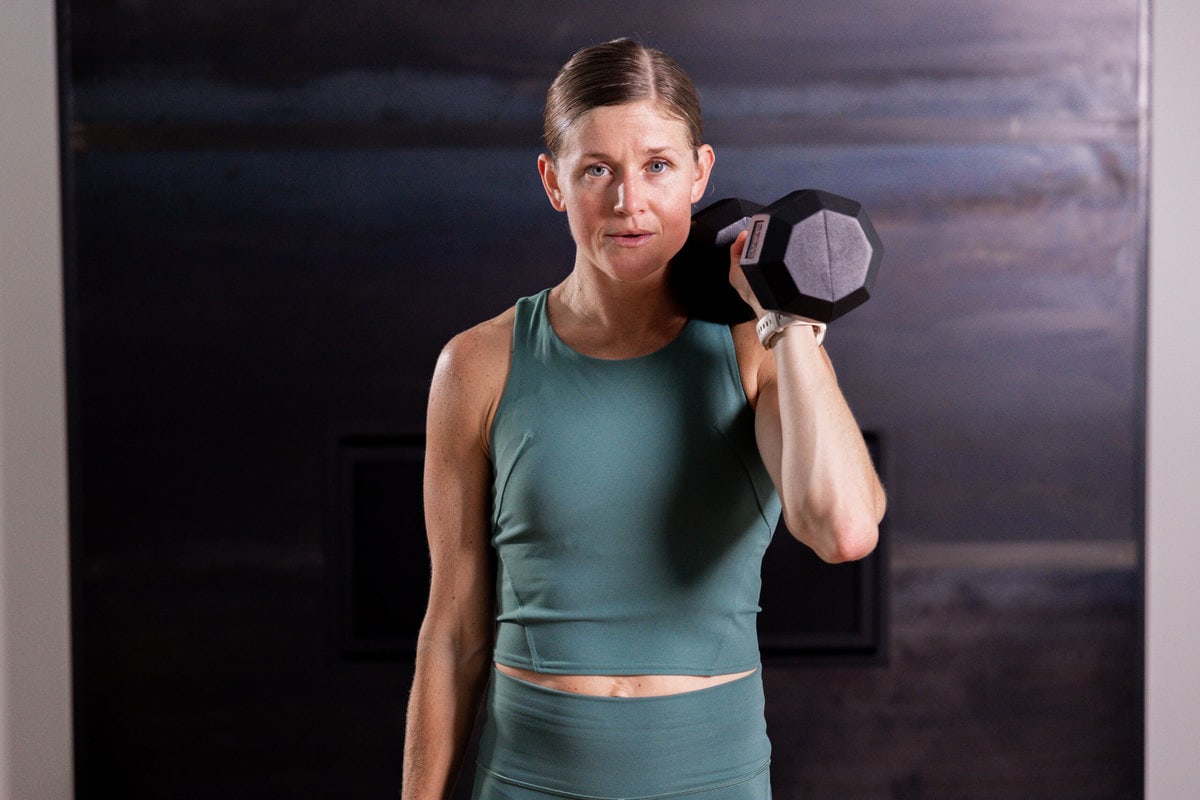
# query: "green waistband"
{"points": [[581, 746]]}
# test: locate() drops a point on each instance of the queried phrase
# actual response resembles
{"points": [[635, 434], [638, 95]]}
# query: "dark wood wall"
{"points": [[278, 212]]}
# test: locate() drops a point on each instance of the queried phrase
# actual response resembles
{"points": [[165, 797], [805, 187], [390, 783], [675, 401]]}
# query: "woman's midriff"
{"points": [[621, 685]]}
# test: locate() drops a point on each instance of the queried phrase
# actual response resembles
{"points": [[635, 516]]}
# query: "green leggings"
{"points": [[543, 744]]}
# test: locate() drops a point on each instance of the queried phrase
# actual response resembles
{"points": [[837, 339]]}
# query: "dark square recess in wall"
{"points": [[811, 610], [817, 611]]}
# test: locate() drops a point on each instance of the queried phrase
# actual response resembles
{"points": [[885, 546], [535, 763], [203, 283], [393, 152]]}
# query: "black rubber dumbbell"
{"points": [[812, 254], [699, 273]]}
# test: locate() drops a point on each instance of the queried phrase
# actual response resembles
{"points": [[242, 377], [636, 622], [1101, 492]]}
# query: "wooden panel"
{"points": [[1077, 55], [983, 698], [418, 74], [279, 213]]}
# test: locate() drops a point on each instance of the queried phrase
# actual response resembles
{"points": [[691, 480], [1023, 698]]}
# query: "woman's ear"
{"points": [[550, 182], [705, 157]]}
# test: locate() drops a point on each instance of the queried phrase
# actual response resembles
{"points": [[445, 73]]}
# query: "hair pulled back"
{"points": [[616, 72]]}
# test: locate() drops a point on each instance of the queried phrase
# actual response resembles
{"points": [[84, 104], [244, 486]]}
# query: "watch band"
{"points": [[772, 325]]}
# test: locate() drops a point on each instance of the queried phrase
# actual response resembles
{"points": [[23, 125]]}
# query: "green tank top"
{"points": [[630, 507]]}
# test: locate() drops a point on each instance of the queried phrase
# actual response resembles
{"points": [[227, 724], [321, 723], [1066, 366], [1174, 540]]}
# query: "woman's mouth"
{"points": [[631, 238]]}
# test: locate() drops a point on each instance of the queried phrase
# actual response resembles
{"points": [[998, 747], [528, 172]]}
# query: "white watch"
{"points": [[773, 324]]}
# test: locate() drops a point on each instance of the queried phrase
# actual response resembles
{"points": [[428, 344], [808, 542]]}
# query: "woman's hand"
{"points": [[737, 276]]}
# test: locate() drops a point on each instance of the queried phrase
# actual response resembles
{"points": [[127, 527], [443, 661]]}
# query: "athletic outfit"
{"points": [[630, 513]]}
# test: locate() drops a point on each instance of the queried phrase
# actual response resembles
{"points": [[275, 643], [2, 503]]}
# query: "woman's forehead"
{"points": [[641, 126]]}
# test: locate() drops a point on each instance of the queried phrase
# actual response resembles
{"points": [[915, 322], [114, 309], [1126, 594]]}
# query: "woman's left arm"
{"points": [[812, 447]]}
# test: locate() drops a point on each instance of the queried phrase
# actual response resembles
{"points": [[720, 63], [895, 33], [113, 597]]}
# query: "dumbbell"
{"points": [[810, 253]]}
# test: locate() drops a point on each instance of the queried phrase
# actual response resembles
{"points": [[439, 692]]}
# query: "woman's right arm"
{"points": [[454, 648]]}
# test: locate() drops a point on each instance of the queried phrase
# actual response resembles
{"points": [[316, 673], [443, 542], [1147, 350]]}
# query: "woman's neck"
{"points": [[610, 319]]}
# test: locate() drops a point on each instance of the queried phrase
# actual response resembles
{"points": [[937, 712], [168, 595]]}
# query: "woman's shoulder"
{"points": [[481, 351], [471, 372], [484, 338]]}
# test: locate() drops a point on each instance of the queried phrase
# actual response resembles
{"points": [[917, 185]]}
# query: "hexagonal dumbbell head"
{"points": [[813, 254], [699, 273]]}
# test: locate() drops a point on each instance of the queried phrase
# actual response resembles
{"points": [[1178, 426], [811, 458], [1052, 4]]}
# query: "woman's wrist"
{"points": [[772, 325]]}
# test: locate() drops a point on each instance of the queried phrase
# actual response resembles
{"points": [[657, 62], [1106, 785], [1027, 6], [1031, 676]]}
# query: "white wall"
{"points": [[1173, 429], [35, 733], [35, 688]]}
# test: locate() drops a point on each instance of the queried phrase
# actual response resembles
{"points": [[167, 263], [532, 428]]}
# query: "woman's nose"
{"points": [[629, 197]]}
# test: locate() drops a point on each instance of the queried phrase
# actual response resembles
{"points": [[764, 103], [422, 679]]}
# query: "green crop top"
{"points": [[630, 507]]}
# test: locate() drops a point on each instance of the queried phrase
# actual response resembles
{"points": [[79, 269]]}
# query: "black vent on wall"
{"points": [[379, 544]]}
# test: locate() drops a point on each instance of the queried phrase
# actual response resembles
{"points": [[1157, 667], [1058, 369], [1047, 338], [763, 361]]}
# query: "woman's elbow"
{"points": [[854, 541], [840, 540], [856, 534]]}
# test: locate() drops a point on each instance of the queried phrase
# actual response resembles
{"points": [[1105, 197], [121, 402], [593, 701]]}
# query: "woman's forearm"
{"points": [[831, 494], [446, 692]]}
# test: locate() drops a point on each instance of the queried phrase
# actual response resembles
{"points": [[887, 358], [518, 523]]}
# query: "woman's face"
{"points": [[627, 177]]}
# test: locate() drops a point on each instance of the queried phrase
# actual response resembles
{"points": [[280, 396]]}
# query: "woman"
{"points": [[602, 477]]}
